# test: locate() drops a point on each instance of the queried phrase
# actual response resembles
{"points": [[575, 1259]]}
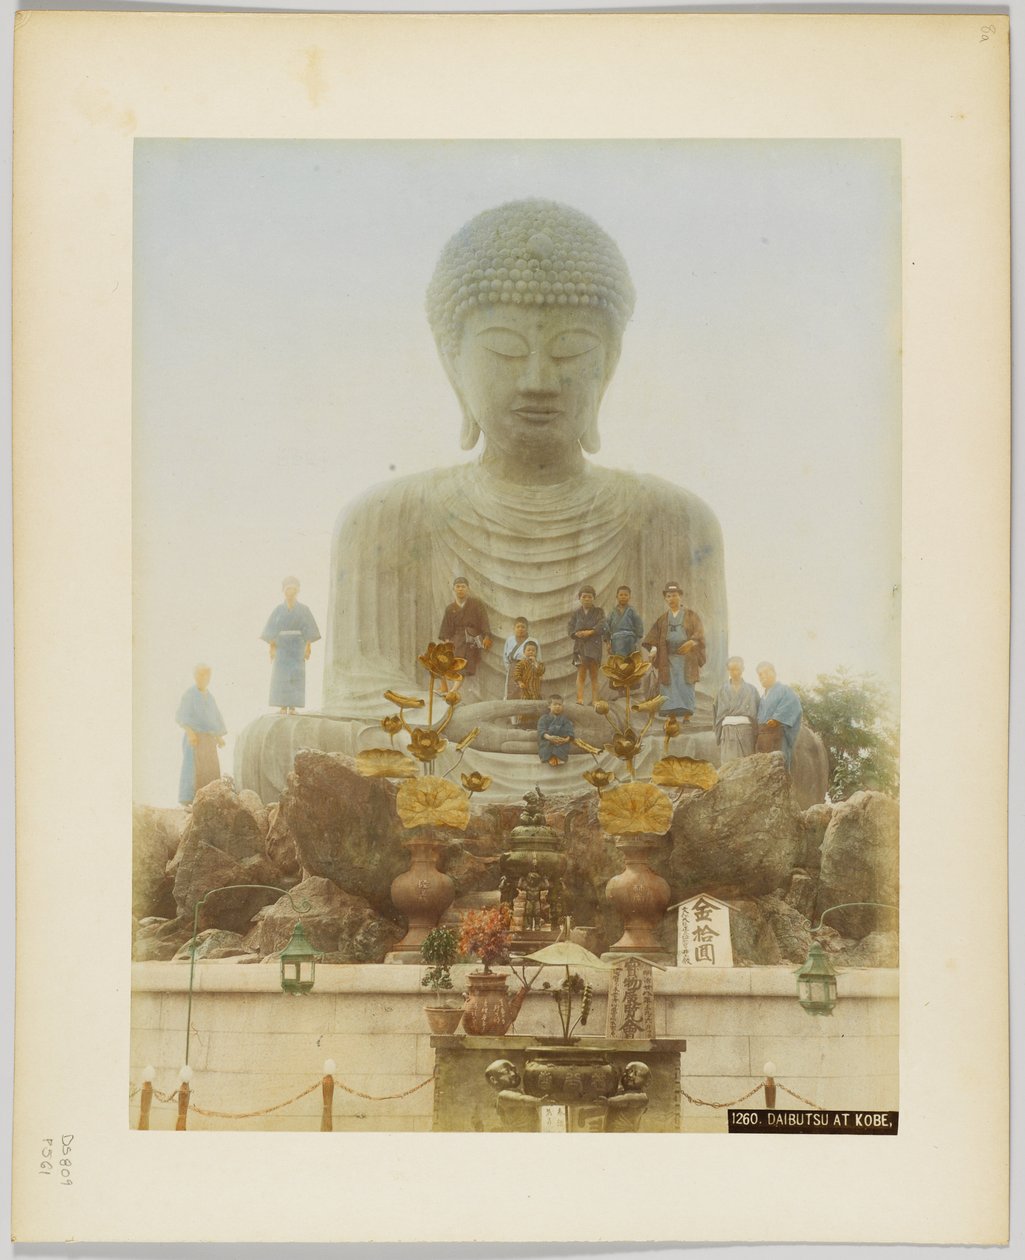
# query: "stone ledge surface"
{"points": [[221, 976]]}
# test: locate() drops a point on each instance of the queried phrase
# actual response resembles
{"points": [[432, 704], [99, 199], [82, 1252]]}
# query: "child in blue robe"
{"points": [[554, 733]]}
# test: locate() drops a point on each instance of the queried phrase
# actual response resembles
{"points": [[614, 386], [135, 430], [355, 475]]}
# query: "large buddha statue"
{"points": [[528, 305]]}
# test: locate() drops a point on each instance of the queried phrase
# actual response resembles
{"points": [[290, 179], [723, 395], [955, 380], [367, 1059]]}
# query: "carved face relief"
{"points": [[532, 378]]}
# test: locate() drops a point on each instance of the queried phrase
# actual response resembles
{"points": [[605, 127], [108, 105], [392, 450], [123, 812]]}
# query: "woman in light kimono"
{"points": [[204, 728], [291, 631]]}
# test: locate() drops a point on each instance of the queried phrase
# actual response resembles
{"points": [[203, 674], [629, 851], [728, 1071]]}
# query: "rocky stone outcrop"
{"points": [[860, 863], [742, 837], [224, 843], [344, 826], [213, 943], [343, 928], [155, 837], [158, 940]]}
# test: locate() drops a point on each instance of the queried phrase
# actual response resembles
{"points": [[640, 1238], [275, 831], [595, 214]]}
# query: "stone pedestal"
{"points": [[464, 1102]]}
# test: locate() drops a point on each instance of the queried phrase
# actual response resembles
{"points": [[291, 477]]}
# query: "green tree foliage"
{"points": [[851, 713]]}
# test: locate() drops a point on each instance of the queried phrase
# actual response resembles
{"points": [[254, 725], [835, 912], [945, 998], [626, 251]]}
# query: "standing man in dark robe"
{"points": [[779, 715], [200, 718], [623, 630], [736, 714], [465, 625]]}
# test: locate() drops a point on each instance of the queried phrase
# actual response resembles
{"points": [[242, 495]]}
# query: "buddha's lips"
{"points": [[538, 415]]}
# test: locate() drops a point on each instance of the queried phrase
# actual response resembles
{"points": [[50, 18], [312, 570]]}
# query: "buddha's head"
{"points": [[528, 304]]}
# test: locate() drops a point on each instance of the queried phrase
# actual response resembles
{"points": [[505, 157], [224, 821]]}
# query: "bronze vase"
{"points": [[640, 897], [423, 893]]}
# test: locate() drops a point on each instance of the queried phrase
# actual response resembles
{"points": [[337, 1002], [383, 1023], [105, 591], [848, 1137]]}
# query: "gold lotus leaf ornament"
{"points": [[684, 772], [626, 671], [425, 744], [404, 702], [599, 779], [586, 747], [635, 808], [475, 782], [432, 802], [384, 763], [440, 660]]}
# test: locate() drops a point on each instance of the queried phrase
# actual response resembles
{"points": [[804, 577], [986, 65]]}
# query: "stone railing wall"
{"points": [[253, 1046]]}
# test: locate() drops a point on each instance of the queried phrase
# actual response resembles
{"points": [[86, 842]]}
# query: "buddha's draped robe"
{"points": [[780, 704], [525, 550]]}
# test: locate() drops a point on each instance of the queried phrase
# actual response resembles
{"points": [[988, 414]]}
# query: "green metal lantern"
{"points": [[816, 983], [298, 963]]}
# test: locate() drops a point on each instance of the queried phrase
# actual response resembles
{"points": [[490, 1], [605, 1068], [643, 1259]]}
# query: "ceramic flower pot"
{"points": [[490, 1007], [443, 1020]]}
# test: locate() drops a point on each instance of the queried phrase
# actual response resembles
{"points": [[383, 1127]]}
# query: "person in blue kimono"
{"points": [[291, 632], [623, 630], [554, 733], [779, 715], [200, 718]]}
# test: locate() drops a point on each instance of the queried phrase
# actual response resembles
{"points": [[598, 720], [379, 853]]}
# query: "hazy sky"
{"points": [[283, 362]]}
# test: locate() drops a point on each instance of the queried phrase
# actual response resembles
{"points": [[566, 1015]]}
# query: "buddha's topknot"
{"points": [[527, 253]]}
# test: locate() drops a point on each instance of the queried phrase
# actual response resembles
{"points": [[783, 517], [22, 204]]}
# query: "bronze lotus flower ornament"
{"points": [[391, 724], [425, 743], [599, 779], [440, 661], [475, 782], [626, 671]]}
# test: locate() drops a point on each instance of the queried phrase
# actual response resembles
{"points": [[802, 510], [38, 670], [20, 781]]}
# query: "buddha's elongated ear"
{"points": [[469, 434], [590, 440]]}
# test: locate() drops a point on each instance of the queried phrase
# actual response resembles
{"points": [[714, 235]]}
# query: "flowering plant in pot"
{"points": [[490, 1007], [439, 950]]}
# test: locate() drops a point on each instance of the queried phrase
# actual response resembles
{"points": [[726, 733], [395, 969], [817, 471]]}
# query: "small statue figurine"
{"points": [[533, 886], [630, 1102], [291, 632], [517, 1112]]}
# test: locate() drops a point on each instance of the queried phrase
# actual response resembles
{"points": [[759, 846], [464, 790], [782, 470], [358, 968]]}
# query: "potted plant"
{"points": [[439, 951], [490, 1007]]}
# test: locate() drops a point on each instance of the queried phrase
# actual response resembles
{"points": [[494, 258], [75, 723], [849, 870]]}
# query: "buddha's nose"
{"points": [[539, 373]]}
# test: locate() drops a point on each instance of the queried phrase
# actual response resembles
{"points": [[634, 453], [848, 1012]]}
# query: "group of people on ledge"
{"points": [[745, 722]]}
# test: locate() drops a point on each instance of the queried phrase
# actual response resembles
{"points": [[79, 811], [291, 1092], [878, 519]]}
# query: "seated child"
{"points": [[554, 734], [528, 671]]}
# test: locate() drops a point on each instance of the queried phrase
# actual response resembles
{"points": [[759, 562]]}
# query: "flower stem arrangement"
{"points": [[485, 935]]}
